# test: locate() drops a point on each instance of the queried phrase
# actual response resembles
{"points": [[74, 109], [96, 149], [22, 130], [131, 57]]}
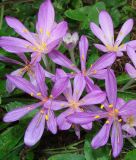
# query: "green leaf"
{"points": [[95, 154], [127, 95], [86, 14], [9, 139], [67, 157], [131, 155]]}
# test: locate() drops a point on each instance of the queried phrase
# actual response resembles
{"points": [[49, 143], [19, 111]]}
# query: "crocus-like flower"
{"points": [[26, 67], [130, 125], [131, 69], [113, 109], [106, 34], [71, 40], [75, 104], [47, 103], [47, 37], [96, 70]]}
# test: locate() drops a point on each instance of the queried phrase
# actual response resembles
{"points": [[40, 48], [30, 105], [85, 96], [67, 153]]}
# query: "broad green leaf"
{"points": [[95, 154], [86, 14], [115, 3], [9, 139], [67, 157], [131, 155]]}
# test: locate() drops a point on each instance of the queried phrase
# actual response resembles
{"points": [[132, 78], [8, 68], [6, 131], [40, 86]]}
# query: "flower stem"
{"points": [[1, 16], [126, 86], [72, 56], [132, 142]]}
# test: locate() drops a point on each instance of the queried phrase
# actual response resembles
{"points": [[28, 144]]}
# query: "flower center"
{"points": [[130, 121], [112, 48], [114, 113], [73, 104]]}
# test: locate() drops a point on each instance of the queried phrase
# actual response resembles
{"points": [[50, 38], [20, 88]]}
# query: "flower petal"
{"points": [[98, 33], [62, 60], [52, 123], [116, 138], [101, 47], [103, 62], [45, 21], [62, 121], [15, 45], [94, 97], [125, 30], [130, 130], [111, 87], [18, 113], [83, 47], [59, 86], [20, 29], [58, 104], [9, 85], [35, 129], [58, 32], [9, 60], [78, 86], [87, 126], [128, 108], [132, 54], [107, 26], [102, 136], [40, 78], [24, 85], [68, 91], [130, 70]]}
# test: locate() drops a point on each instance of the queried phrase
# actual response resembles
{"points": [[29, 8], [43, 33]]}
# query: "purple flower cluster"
{"points": [[77, 109]]}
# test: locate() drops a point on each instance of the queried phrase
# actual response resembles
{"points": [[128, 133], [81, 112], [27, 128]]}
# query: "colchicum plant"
{"points": [[84, 94]]}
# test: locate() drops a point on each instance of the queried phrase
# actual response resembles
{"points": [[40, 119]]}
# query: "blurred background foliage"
{"points": [[64, 145]]}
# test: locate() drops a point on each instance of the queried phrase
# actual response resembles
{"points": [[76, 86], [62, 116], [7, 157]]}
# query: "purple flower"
{"points": [[48, 105], [47, 37], [131, 69], [96, 70], [130, 125], [26, 67], [113, 110], [77, 104], [106, 34]]}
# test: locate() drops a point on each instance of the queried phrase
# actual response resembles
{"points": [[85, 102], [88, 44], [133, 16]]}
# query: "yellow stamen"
{"points": [[46, 117], [83, 58], [91, 66], [77, 91], [48, 33], [102, 106], [111, 106], [121, 46], [121, 33], [107, 122], [39, 94], [72, 72], [116, 110], [97, 116], [42, 111], [62, 105], [95, 71], [32, 94], [41, 30], [120, 120], [25, 30], [51, 96]]}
